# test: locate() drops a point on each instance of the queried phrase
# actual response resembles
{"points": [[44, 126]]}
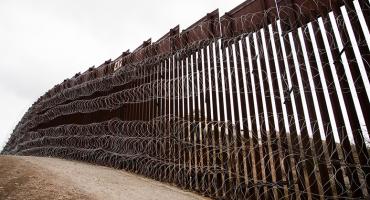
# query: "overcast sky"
{"points": [[42, 42]]}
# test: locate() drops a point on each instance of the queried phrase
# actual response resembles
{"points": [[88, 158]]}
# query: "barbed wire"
{"points": [[273, 107]]}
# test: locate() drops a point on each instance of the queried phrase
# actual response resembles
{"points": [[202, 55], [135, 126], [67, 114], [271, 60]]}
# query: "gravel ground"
{"points": [[26, 177]]}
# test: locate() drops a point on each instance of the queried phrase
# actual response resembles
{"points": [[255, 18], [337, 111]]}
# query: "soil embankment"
{"points": [[25, 177]]}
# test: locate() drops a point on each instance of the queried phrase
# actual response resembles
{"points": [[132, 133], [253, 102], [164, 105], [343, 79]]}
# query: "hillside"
{"points": [[29, 177]]}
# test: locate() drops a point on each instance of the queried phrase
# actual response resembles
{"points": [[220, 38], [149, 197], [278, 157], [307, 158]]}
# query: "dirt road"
{"points": [[51, 178]]}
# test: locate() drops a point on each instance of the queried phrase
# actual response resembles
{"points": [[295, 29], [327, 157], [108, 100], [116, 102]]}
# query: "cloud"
{"points": [[12, 108], [43, 42]]}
